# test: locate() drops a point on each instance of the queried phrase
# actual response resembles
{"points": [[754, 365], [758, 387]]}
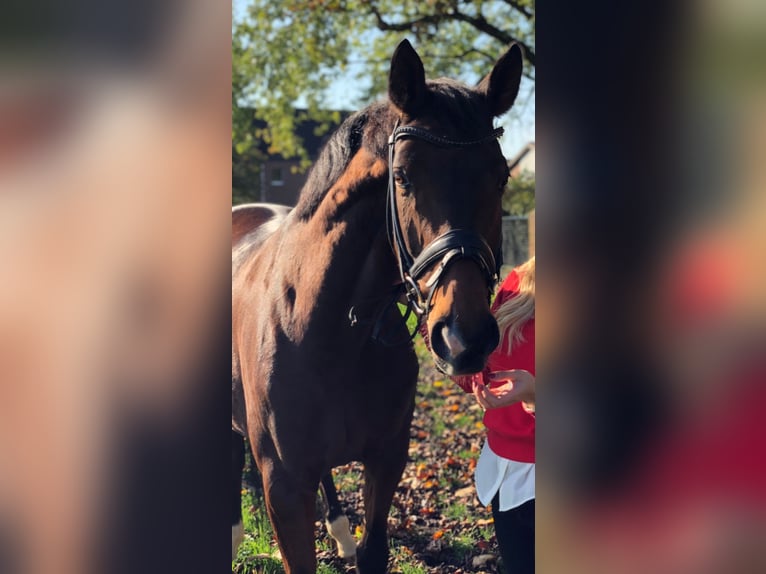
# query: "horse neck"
{"points": [[360, 261], [340, 257]]}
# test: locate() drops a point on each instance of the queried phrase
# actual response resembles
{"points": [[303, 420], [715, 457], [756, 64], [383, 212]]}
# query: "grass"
{"points": [[256, 554], [256, 523], [457, 511]]}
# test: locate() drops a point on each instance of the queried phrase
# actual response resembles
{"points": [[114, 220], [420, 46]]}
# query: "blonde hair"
{"points": [[513, 314]]}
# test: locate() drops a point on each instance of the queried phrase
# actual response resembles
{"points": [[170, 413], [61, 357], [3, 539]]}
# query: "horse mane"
{"points": [[337, 153], [452, 103]]}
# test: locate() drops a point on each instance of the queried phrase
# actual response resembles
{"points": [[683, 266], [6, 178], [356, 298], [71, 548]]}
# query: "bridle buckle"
{"points": [[414, 295]]}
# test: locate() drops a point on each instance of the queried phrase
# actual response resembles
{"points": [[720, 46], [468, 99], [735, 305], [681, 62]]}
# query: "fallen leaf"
{"points": [[464, 492], [484, 522]]}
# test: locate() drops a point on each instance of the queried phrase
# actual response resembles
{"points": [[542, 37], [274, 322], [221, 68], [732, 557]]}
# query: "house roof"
{"points": [[514, 162]]}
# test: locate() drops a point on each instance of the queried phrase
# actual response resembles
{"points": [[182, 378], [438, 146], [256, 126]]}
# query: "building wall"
{"points": [[527, 163], [279, 184]]}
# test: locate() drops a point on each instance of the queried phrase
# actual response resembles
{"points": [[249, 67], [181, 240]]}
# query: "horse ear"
{"points": [[407, 79], [501, 85]]}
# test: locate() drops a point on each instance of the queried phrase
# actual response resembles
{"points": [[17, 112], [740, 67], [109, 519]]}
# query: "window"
{"points": [[277, 177]]}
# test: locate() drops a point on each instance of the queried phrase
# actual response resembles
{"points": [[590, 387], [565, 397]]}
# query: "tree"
{"points": [[519, 194], [246, 174], [285, 51]]}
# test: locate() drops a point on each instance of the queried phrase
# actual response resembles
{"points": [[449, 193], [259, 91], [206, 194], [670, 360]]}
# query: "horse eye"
{"points": [[401, 179]]}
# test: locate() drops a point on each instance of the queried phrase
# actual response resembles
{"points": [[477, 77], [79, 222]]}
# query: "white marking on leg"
{"points": [[340, 530], [237, 535]]}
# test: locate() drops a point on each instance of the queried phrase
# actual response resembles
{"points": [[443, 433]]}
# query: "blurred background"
{"points": [[651, 308], [114, 231]]}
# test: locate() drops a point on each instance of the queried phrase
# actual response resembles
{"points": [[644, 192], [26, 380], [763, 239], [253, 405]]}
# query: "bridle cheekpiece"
{"points": [[446, 249]]}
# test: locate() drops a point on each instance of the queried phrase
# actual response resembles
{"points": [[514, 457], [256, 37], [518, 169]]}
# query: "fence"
{"points": [[516, 239]]}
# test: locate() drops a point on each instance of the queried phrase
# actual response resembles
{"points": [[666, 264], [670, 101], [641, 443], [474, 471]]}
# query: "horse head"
{"points": [[447, 176]]}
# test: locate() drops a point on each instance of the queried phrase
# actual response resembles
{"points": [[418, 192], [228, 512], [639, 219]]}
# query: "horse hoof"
{"points": [[340, 530], [237, 536]]}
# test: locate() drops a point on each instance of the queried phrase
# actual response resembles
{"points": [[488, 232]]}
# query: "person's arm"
{"points": [[520, 387]]}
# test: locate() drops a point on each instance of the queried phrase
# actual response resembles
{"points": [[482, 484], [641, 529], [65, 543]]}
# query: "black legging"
{"points": [[515, 531]]}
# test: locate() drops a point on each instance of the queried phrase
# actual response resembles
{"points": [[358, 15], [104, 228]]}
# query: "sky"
{"points": [[346, 94]]}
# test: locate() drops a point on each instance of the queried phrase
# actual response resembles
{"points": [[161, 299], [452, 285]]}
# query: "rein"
{"points": [[445, 250]]}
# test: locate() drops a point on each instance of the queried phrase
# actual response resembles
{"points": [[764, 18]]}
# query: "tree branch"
{"points": [[518, 7], [478, 22], [481, 24], [404, 26]]}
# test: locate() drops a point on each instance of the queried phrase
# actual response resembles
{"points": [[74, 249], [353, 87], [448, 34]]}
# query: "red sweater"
{"points": [[510, 430]]}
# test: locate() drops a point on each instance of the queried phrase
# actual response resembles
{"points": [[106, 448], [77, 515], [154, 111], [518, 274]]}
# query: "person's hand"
{"points": [[520, 387]]}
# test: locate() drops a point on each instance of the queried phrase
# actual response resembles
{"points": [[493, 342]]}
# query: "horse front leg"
{"points": [[291, 508], [382, 472]]}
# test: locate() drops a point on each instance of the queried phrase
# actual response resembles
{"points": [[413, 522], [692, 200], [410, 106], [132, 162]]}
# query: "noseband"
{"points": [[446, 249]]}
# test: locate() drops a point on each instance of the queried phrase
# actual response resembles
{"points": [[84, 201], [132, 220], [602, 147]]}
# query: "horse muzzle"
{"points": [[457, 353]]}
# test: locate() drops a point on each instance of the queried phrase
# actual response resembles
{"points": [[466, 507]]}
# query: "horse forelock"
{"points": [[460, 111]]}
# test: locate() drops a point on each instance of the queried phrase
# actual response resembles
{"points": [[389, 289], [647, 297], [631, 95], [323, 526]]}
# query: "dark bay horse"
{"points": [[402, 204]]}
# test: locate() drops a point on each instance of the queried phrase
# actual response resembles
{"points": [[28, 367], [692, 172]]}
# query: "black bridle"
{"points": [[446, 249]]}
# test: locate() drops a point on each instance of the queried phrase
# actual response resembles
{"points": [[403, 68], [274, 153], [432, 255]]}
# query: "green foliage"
{"points": [[256, 554], [412, 568], [519, 195], [326, 569], [457, 511], [412, 318], [246, 165], [461, 544], [462, 421], [288, 52]]}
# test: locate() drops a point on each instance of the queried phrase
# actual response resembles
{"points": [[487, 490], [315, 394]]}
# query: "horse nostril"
{"points": [[452, 340], [438, 344], [447, 341]]}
